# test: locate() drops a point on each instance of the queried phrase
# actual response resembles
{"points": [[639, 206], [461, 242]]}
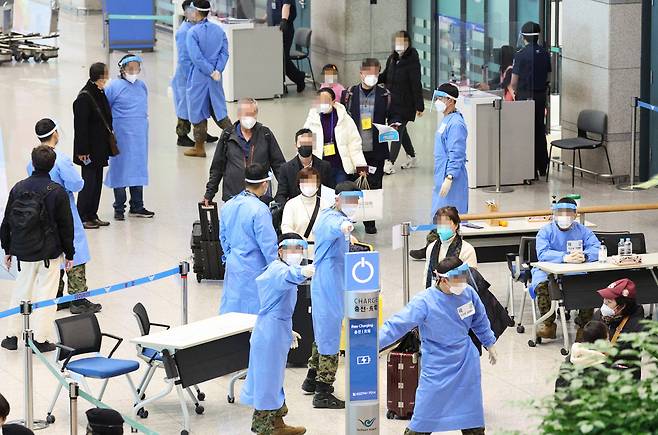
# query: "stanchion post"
{"points": [[28, 335], [406, 229], [498, 106], [73, 407], [184, 269]]}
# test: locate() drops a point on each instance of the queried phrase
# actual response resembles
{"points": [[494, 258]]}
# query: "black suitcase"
{"points": [[206, 249], [302, 323]]}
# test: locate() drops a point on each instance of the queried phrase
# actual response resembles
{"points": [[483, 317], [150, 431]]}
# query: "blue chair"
{"points": [[79, 346]]}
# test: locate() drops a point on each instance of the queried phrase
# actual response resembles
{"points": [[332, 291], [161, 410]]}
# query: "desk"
{"points": [[200, 351], [578, 283], [492, 244]]}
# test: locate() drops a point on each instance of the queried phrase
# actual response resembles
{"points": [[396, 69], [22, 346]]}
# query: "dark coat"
{"points": [[229, 161], [289, 188], [59, 238], [634, 324], [91, 136], [402, 78], [381, 115]]}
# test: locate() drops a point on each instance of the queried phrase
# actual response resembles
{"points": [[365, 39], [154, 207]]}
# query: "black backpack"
{"points": [[29, 224]]}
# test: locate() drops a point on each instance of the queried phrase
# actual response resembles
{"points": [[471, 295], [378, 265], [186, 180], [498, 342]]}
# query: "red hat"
{"points": [[622, 287]]}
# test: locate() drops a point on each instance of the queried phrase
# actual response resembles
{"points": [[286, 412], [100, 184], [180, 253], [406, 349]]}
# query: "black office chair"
{"points": [[521, 271], [302, 49], [589, 122], [611, 241]]}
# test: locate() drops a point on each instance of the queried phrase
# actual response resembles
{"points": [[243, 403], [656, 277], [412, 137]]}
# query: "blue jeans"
{"points": [[136, 199]]}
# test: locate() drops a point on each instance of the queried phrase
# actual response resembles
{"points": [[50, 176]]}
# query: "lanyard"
{"points": [[332, 126], [614, 338]]}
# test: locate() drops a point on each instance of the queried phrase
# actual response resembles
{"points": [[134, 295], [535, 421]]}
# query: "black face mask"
{"points": [[305, 151]]}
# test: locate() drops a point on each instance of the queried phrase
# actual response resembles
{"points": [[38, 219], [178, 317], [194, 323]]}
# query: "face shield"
{"points": [[130, 68], [520, 42], [438, 102], [351, 203], [294, 252], [457, 278], [564, 214], [57, 129]]}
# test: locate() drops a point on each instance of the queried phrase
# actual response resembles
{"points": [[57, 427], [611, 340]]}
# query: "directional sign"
{"points": [[361, 271]]}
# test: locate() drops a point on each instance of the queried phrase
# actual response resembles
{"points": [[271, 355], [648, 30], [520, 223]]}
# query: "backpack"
{"points": [[29, 224]]}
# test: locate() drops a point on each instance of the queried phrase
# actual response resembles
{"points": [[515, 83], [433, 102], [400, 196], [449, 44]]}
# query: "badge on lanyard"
{"points": [[442, 128], [329, 149], [273, 5], [466, 310], [366, 123]]}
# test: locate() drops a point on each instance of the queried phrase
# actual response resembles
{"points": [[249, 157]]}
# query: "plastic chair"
{"points": [[302, 44], [153, 359], [81, 337], [589, 122], [521, 271]]}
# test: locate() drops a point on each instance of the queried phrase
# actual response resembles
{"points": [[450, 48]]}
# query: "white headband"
{"points": [[41, 136], [530, 34], [248, 180], [200, 9]]}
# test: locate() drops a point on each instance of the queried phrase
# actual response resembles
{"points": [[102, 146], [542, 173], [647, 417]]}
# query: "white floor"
{"points": [[135, 248]]}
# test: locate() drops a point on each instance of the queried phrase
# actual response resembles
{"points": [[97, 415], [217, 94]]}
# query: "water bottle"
{"points": [[621, 248], [628, 247], [603, 253]]}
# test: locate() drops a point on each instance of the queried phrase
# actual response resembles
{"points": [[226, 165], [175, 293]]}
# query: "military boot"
{"points": [[199, 149], [281, 428]]}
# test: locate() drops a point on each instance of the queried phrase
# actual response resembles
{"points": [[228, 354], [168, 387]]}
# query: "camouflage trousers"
{"points": [[262, 422], [325, 365], [200, 130], [544, 304], [183, 127], [473, 431], [76, 280]]}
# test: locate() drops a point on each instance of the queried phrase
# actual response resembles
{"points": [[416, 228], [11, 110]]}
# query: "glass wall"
{"points": [[420, 31]]}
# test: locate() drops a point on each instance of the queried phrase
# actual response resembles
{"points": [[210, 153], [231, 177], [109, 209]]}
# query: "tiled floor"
{"points": [[135, 248]]}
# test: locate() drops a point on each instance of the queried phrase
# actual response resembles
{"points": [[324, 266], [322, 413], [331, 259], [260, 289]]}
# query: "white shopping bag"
{"points": [[372, 208]]}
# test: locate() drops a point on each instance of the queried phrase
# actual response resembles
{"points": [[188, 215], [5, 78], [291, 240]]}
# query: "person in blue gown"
{"points": [[65, 174], [128, 98], [249, 242], [449, 394], [450, 177], [553, 241], [207, 47], [273, 337], [332, 234], [179, 81]]}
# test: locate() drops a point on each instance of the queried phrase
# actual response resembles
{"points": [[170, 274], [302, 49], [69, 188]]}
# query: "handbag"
{"points": [[114, 148]]}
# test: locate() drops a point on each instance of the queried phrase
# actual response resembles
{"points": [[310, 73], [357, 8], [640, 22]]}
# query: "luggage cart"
{"points": [[23, 47]]}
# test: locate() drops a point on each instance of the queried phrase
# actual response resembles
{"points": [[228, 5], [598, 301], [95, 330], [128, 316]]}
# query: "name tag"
{"points": [[366, 123], [273, 4], [442, 128], [329, 149], [466, 310]]}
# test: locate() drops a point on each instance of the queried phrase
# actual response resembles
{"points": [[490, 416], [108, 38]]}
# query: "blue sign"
{"points": [[389, 136], [363, 359], [362, 271]]}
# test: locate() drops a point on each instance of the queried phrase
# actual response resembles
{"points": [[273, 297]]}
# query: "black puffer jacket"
{"points": [[402, 78]]}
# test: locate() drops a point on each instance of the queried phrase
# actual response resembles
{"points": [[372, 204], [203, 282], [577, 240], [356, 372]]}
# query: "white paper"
{"points": [[381, 128], [328, 194], [396, 237]]}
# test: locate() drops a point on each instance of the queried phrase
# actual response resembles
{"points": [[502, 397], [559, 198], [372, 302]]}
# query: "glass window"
{"points": [[420, 31]]}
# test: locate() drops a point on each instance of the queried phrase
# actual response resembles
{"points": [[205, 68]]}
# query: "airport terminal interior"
{"points": [[601, 55]]}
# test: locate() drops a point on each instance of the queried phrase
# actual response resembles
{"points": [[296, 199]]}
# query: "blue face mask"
{"points": [[445, 233]]}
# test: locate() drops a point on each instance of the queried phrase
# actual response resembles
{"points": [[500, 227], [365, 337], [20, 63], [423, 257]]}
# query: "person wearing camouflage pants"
{"points": [[271, 422], [321, 373], [76, 282], [544, 304]]}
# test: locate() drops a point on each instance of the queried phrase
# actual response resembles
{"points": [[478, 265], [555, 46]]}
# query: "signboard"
{"points": [[361, 271], [363, 359]]}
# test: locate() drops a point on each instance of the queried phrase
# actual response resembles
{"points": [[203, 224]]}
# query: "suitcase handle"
{"points": [[209, 220]]}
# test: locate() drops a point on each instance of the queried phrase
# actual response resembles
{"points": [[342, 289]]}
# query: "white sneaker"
{"points": [[388, 168], [411, 163]]}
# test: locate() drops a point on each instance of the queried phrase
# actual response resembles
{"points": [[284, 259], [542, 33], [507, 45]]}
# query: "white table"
{"points": [[200, 351], [596, 275]]}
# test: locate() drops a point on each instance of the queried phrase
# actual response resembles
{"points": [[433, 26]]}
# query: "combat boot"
{"points": [[324, 399], [281, 428], [308, 386], [199, 149], [547, 330]]}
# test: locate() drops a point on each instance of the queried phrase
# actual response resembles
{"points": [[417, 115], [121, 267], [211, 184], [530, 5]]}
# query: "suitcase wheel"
{"points": [[390, 415]]}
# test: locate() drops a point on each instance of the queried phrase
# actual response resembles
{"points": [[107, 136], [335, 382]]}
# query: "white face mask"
{"points": [[370, 80], [308, 190], [331, 79], [606, 311], [248, 122], [440, 106], [293, 259], [458, 289], [563, 222], [349, 210], [400, 48], [324, 108], [132, 78]]}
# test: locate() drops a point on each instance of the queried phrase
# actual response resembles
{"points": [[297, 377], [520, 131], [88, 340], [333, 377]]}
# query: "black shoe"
{"points": [[323, 399], [119, 216], [101, 223], [209, 139], [301, 86], [308, 386], [143, 213], [84, 306], [10, 343], [45, 346], [90, 225], [418, 254], [184, 141], [64, 306], [371, 229]]}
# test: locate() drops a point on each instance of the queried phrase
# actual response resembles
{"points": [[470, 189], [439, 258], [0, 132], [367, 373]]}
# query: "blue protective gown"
{"points": [[449, 394], [208, 50], [183, 67], [552, 246], [327, 285], [450, 159], [129, 103], [66, 174], [250, 244], [272, 336]]}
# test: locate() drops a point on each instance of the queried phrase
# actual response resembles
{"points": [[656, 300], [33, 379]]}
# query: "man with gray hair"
{"points": [[244, 143]]}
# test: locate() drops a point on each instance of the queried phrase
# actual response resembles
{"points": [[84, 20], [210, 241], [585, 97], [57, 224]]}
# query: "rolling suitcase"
{"points": [[206, 249], [302, 323], [402, 373]]}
